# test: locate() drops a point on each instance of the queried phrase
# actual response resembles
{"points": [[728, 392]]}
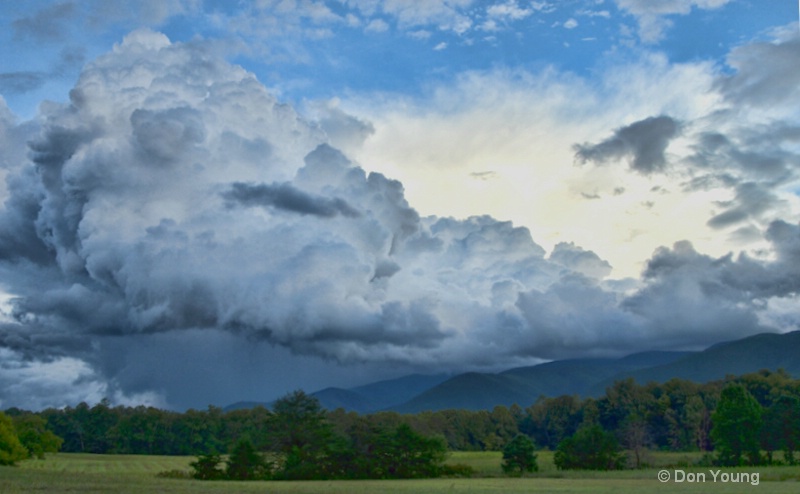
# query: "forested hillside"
{"points": [[675, 415], [585, 377]]}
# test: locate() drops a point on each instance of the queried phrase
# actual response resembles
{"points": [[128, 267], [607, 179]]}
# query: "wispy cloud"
{"points": [[652, 16]]}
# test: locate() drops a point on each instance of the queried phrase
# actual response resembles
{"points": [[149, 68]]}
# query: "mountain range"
{"points": [[584, 377]]}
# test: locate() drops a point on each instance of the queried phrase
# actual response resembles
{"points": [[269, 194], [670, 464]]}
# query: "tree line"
{"points": [[303, 445], [677, 415]]}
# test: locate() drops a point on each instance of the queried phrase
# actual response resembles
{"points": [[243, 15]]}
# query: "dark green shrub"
{"points": [[207, 467]]}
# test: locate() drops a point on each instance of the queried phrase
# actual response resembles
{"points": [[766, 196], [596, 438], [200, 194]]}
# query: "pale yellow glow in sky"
{"points": [[502, 145]]}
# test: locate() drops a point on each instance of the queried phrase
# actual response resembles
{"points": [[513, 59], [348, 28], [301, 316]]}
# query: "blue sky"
{"points": [[326, 49], [310, 193]]}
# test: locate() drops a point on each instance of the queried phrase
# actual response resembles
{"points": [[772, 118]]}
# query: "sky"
{"points": [[205, 201]]}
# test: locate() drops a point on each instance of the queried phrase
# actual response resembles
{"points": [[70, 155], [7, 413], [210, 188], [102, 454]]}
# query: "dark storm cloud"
{"points": [[287, 197], [643, 143], [175, 201], [46, 25], [596, 323], [691, 296], [118, 213], [784, 279], [18, 236]]}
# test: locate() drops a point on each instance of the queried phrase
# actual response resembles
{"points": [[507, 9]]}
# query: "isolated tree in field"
{"points": [[245, 463], [519, 456], [737, 424], [35, 437], [591, 448], [11, 450]]}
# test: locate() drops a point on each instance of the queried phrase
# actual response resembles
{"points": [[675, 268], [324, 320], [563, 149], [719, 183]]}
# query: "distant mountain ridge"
{"points": [[762, 351], [523, 385], [372, 397], [583, 377]]}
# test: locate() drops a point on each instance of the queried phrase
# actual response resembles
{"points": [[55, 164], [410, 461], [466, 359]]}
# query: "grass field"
{"points": [[83, 473]]}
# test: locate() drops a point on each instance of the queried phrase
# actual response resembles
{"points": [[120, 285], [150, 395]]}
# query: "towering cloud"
{"points": [[175, 212]]}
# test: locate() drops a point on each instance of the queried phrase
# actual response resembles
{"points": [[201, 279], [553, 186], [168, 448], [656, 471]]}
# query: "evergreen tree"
{"points": [[410, 455], [303, 435], [245, 463]]}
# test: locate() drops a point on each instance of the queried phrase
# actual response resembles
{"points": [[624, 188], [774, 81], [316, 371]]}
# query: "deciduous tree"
{"points": [[781, 428], [11, 450], [737, 423], [519, 456], [591, 448], [35, 437]]}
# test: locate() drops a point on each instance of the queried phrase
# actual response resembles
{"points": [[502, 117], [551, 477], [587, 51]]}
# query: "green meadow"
{"points": [[85, 473]]}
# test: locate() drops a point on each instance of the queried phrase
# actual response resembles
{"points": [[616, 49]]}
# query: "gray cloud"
{"points": [[185, 215], [21, 82], [652, 16], [750, 202], [643, 143], [344, 131], [765, 73], [46, 25], [755, 161], [596, 323], [753, 154], [732, 286], [70, 58], [165, 135], [689, 297], [287, 197], [579, 260]]}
